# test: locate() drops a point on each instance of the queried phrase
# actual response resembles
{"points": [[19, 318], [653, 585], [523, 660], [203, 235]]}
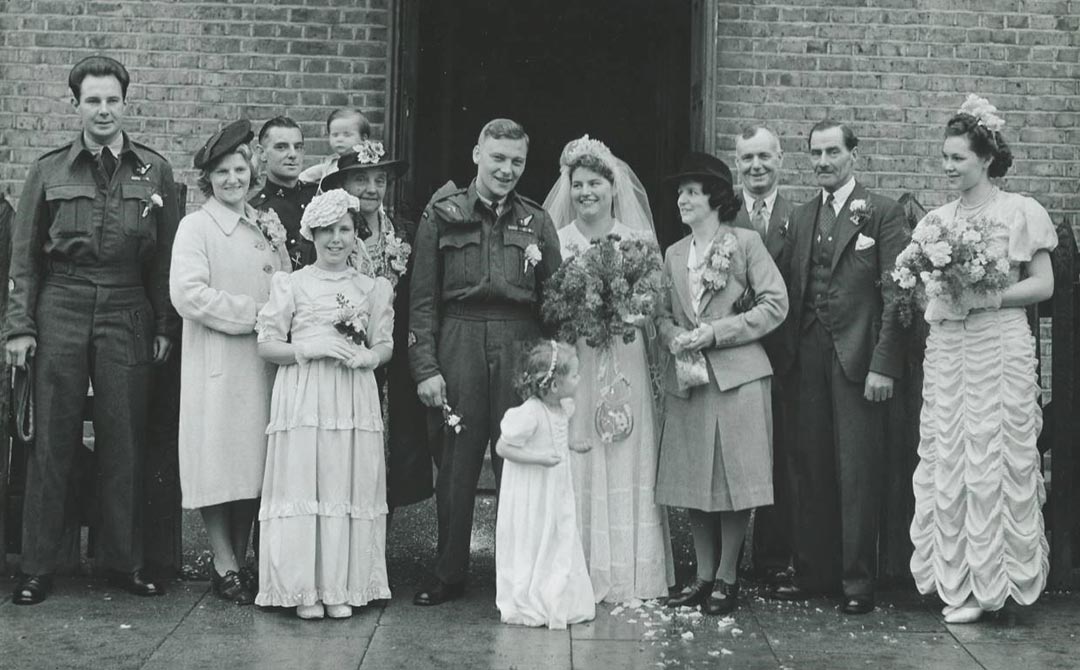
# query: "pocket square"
{"points": [[864, 242]]}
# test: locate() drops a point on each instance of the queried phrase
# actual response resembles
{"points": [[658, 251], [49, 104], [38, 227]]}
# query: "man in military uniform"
{"points": [[281, 151], [482, 254], [89, 299]]}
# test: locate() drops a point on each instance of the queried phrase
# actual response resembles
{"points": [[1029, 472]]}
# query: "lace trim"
{"points": [[275, 598], [370, 424]]}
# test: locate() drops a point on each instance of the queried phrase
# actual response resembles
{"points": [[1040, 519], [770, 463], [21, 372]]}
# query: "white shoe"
{"points": [[310, 611], [948, 609], [339, 611], [964, 614]]}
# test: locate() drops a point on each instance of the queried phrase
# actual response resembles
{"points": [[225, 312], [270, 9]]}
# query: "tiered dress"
{"points": [[540, 574], [623, 530], [978, 526], [323, 514]]}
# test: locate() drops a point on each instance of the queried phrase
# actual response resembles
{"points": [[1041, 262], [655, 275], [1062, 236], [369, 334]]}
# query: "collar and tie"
{"points": [[827, 219], [107, 161], [758, 218]]}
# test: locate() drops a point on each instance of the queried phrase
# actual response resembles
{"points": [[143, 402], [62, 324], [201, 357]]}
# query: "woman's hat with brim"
{"points": [[698, 165], [223, 143], [368, 155]]}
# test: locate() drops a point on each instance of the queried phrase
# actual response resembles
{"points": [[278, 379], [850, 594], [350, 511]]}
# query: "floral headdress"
{"points": [[369, 152], [586, 146], [985, 114], [326, 209]]}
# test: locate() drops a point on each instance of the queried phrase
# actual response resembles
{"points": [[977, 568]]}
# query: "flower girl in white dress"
{"points": [[540, 573]]}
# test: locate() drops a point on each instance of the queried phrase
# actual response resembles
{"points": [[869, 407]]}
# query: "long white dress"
{"points": [[323, 513], [540, 574], [624, 532], [978, 525]]}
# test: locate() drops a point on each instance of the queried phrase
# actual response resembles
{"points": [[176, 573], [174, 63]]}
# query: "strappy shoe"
{"points": [[725, 604], [230, 586], [695, 593], [31, 589], [249, 577]]}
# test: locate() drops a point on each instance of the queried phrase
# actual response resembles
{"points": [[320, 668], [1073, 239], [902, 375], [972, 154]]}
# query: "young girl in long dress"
{"points": [[541, 578], [323, 514]]}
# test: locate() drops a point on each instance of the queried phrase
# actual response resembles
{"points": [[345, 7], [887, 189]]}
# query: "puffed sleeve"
{"points": [[518, 424], [381, 321], [275, 318], [1031, 231], [189, 284]]}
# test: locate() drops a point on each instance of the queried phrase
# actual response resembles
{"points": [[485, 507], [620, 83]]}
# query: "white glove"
{"points": [[323, 347], [363, 359]]}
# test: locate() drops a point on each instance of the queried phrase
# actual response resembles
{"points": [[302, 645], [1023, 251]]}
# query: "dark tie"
{"points": [[108, 162], [828, 217], [757, 218]]}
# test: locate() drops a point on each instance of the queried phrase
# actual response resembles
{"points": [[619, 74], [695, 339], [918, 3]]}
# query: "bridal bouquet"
{"points": [[604, 291], [962, 262]]}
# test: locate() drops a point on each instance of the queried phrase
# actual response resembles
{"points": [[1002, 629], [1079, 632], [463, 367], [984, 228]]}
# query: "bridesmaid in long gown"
{"points": [[623, 530], [978, 527]]}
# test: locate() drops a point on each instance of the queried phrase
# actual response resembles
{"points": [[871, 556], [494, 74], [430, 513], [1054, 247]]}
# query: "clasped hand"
{"points": [[693, 340], [352, 356]]}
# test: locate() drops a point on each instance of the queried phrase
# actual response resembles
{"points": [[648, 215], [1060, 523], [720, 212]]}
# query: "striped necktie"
{"points": [[757, 218]]}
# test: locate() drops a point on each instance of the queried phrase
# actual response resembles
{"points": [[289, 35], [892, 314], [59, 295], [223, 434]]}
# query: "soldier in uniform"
{"points": [[281, 151], [482, 254], [89, 300]]}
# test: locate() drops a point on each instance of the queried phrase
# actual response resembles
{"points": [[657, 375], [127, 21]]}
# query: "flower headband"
{"points": [[369, 152], [326, 209], [985, 114], [586, 146], [551, 369]]}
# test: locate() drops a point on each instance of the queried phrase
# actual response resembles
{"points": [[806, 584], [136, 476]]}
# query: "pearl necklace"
{"points": [[979, 205]]}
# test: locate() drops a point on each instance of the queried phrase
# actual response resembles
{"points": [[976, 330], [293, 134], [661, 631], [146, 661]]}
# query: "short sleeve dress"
{"points": [[323, 513], [978, 525], [540, 574]]}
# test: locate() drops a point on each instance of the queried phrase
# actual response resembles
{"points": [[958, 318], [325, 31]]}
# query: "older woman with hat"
{"points": [[365, 172], [725, 294], [222, 262]]}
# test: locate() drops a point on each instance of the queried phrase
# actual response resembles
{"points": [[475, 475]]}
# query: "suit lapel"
{"points": [[680, 251], [774, 238], [845, 229]]}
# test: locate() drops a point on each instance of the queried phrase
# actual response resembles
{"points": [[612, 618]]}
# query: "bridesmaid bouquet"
{"points": [[350, 321], [604, 292], [966, 258]]}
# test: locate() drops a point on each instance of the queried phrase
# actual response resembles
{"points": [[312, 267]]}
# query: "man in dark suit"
{"points": [[758, 159], [847, 344]]}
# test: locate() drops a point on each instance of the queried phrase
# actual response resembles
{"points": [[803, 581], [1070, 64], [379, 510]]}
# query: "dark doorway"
{"points": [[618, 70]]}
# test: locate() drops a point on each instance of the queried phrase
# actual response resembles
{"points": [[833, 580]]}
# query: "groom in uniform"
{"points": [[848, 352], [482, 254], [758, 158]]}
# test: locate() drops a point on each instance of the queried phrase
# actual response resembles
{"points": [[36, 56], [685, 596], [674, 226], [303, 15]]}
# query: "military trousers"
{"points": [[102, 334], [837, 457], [479, 352]]}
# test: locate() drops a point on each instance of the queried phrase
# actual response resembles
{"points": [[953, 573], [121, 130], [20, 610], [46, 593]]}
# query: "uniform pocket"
{"points": [[460, 252], [141, 336], [515, 243], [72, 209], [139, 215]]}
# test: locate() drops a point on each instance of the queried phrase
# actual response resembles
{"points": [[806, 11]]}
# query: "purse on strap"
{"points": [[22, 397]]}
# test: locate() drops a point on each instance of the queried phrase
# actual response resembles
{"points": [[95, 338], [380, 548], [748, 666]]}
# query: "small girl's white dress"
{"points": [[541, 578], [323, 512]]}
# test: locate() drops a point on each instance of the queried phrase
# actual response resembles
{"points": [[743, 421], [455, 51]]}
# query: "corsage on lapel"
{"points": [[154, 202], [532, 257], [271, 227], [860, 211]]}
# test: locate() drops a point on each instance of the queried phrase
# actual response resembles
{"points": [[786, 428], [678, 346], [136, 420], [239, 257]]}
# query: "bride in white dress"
{"points": [[623, 530]]}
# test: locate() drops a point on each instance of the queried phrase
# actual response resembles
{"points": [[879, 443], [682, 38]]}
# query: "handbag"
{"points": [[22, 401], [690, 370]]}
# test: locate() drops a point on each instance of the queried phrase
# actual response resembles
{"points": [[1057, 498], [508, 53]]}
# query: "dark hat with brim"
{"points": [[361, 160], [698, 165], [223, 143]]}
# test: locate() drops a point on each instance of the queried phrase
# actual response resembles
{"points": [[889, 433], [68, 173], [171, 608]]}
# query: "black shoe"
{"points": [[439, 593], [230, 586], [727, 604], [249, 577], [789, 592], [134, 583], [31, 589], [694, 593], [858, 605]]}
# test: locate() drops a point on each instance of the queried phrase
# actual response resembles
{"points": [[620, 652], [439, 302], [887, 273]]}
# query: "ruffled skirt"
{"points": [[978, 525], [323, 513]]}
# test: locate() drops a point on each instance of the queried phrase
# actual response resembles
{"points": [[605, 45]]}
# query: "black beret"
{"points": [[223, 143]]}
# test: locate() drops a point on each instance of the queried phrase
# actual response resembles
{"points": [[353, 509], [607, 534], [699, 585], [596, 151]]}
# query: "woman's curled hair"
{"points": [[985, 143], [244, 150], [721, 197]]}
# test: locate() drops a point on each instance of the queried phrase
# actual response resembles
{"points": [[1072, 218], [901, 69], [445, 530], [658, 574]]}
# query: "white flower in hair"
{"points": [[369, 152], [985, 113], [326, 209]]}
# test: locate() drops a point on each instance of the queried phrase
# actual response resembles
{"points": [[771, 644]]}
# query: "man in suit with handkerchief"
{"points": [[847, 343], [758, 159]]}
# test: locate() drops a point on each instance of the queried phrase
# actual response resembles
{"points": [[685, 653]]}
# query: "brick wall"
{"points": [[194, 65], [896, 70]]}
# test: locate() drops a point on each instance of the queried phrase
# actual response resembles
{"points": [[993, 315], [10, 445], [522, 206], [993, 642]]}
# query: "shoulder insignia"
{"points": [[449, 210]]}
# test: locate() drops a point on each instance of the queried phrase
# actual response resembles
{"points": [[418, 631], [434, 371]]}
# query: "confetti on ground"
{"points": [[736, 631], [725, 622], [714, 653], [688, 635], [635, 604], [125, 626], [726, 652], [617, 611]]}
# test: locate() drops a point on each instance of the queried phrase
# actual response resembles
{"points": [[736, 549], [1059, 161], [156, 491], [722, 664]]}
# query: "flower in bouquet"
{"points": [[955, 262], [350, 320], [452, 421], [272, 229], [604, 291], [716, 266]]}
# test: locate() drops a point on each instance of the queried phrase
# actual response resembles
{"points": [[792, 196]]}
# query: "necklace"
{"points": [[979, 205]]}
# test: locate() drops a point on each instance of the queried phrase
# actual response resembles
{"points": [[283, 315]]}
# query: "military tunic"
{"points": [[90, 280], [474, 301], [289, 203]]}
